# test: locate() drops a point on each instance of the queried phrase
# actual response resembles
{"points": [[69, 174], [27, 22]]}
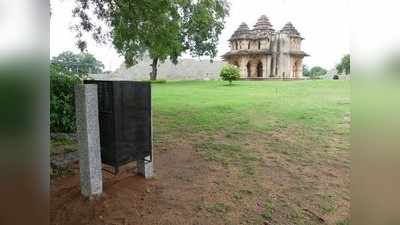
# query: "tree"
{"points": [[306, 71], [230, 73], [314, 72], [344, 65], [317, 71], [80, 64], [62, 108], [160, 28], [67, 70]]}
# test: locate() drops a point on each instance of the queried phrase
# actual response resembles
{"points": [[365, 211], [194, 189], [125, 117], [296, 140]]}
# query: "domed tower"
{"points": [[290, 57], [241, 34], [294, 36], [263, 25], [263, 32]]}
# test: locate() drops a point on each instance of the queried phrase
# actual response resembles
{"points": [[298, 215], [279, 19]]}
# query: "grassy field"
{"points": [[251, 106], [298, 130], [257, 152]]}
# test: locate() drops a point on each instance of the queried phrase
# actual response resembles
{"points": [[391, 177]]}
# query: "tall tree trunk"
{"points": [[153, 74]]}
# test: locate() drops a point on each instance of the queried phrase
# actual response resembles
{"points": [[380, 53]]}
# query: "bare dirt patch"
{"points": [[181, 193], [207, 180]]}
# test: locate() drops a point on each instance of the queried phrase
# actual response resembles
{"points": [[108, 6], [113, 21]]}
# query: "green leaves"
{"points": [[315, 72], [344, 65], [82, 64], [230, 73], [162, 28], [67, 70], [62, 110]]}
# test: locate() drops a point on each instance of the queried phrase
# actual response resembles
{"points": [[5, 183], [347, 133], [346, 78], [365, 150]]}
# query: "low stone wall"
{"points": [[186, 69]]}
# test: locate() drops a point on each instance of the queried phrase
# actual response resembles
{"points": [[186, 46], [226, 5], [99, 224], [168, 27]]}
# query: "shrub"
{"points": [[62, 108], [230, 73]]}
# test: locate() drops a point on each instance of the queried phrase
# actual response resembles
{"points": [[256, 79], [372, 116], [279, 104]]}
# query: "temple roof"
{"points": [[297, 53], [263, 24], [242, 32], [261, 29], [247, 52], [290, 29], [243, 27]]}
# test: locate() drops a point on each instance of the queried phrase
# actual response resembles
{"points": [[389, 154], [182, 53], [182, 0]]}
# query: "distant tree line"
{"points": [[317, 72], [81, 64]]}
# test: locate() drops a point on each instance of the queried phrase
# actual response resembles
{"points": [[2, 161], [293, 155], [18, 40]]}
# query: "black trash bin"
{"points": [[125, 121]]}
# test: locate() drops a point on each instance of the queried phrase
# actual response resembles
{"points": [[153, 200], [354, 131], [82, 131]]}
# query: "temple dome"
{"points": [[290, 29], [263, 24], [242, 32]]}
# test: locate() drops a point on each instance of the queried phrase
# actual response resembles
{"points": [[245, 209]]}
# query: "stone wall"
{"points": [[186, 69]]}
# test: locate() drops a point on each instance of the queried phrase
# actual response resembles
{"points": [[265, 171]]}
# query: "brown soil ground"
{"points": [[189, 189]]}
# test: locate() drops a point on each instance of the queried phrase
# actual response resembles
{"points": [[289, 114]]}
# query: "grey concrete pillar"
{"points": [[87, 121], [145, 167]]}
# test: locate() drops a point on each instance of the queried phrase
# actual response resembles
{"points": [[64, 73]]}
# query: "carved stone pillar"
{"points": [[243, 67], [265, 66], [253, 66], [300, 69]]}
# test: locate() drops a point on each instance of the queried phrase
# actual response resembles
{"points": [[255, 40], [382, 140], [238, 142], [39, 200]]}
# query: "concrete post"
{"points": [[145, 167], [87, 121]]}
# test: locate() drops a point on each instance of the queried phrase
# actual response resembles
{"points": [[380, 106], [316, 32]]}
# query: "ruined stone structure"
{"points": [[263, 53]]}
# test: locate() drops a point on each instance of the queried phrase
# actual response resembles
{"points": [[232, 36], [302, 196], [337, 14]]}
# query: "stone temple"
{"points": [[263, 53]]}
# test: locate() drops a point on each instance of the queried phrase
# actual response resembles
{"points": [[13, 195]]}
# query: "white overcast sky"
{"points": [[323, 23]]}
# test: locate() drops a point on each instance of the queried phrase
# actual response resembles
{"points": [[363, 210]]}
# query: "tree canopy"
{"points": [[230, 73], [306, 71], [83, 63], [344, 65], [314, 72], [160, 28]]}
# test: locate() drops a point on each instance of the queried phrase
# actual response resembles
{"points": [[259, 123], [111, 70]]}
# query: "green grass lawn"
{"points": [[251, 106], [297, 128]]}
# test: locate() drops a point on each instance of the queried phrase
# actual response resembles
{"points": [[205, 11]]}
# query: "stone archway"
{"points": [[259, 69], [248, 69]]}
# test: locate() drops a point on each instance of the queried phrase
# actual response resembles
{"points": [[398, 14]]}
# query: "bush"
{"points": [[62, 108], [230, 73]]}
